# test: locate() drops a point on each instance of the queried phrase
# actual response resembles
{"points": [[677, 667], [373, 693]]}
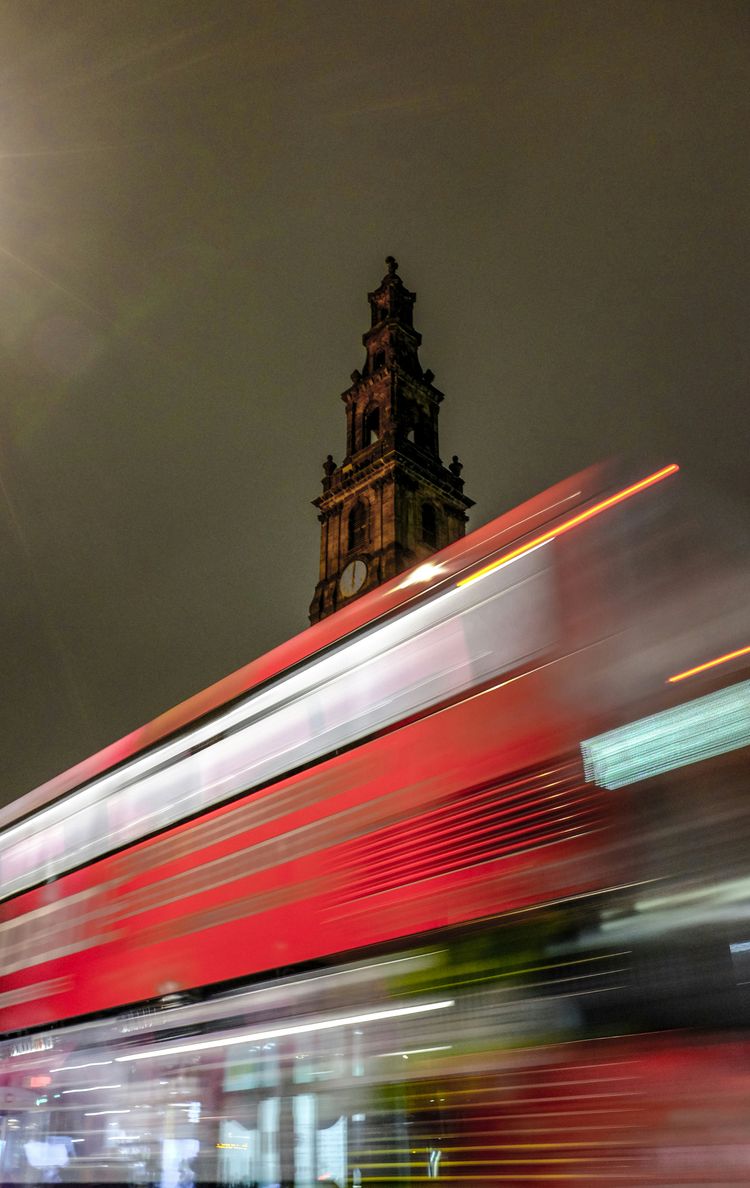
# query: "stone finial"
{"points": [[329, 468], [356, 376], [456, 467], [392, 264], [428, 376]]}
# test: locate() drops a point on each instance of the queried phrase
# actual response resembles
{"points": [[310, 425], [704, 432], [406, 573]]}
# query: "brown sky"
{"points": [[195, 198]]}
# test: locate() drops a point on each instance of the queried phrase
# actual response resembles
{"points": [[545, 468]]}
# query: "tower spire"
{"points": [[392, 502]]}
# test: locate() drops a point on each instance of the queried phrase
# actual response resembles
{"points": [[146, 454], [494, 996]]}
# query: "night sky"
{"points": [[194, 201]]}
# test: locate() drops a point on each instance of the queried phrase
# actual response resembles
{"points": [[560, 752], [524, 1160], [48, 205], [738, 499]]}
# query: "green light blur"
{"points": [[702, 729]]}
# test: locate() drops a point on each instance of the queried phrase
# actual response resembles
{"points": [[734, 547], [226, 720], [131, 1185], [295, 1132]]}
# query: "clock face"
{"points": [[353, 578]]}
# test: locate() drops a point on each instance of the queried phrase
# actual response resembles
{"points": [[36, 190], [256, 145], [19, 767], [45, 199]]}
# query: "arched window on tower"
{"points": [[378, 360], [423, 434], [429, 526], [371, 426], [357, 526]]}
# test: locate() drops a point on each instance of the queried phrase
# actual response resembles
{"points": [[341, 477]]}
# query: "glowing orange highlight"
{"points": [[573, 522], [680, 676]]}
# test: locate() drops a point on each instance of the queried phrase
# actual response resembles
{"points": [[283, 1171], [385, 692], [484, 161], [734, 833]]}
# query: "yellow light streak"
{"points": [[681, 676], [581, 518]]}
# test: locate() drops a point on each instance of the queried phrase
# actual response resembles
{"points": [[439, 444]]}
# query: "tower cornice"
{"points": [[352, 478], [370, 382]]}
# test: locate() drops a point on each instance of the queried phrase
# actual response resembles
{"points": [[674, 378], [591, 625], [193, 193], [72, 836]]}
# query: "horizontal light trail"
{"points": [[417, 1051], [294, 1029], [581, 518]]}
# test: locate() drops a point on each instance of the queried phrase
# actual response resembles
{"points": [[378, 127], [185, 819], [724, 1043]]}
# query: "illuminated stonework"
{"points": [[391, 503]]}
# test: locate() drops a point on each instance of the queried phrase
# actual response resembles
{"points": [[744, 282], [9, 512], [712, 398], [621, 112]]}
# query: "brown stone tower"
{"points": [[391, 503]]}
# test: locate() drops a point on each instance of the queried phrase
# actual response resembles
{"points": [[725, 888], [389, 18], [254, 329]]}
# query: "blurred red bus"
{"points": [[440, 753]]}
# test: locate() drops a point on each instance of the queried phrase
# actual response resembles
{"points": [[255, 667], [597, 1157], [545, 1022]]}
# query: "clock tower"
{"points": [[391, 502]]}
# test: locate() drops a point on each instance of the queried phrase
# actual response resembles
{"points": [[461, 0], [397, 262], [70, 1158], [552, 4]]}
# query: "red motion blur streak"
{"points": [[285, 875], [573, 522], [681, 676]]}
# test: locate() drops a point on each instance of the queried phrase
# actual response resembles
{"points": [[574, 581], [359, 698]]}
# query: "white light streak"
{"points": [[292, 1029], [418, 1051], [490, 571]]}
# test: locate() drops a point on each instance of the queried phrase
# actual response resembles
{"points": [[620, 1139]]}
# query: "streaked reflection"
{"points": [[530, 1052]]}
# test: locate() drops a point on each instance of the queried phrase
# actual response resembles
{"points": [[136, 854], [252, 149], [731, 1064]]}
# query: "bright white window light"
{"points": [[422, 574], [709, 726]]}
